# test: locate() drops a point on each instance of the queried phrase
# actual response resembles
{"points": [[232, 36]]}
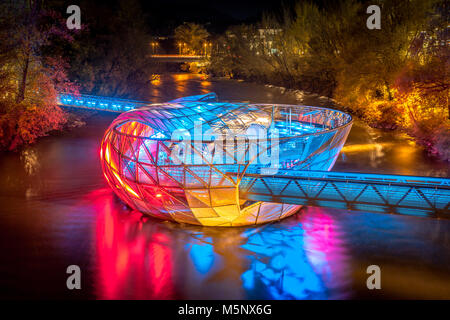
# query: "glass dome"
{"points": [[185, 160]]}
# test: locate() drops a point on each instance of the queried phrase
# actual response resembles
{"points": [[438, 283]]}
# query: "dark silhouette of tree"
{"points": [[111, 58]]}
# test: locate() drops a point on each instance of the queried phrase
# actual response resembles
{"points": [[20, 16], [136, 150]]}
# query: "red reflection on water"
{"points": [[132, 263], [324, 246]]}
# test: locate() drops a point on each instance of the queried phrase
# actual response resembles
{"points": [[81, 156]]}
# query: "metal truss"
{"points": [[354, 191]]}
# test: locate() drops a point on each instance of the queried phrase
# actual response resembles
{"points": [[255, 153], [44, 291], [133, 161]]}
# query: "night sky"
{"points": [[216, 15], [163, 16]]}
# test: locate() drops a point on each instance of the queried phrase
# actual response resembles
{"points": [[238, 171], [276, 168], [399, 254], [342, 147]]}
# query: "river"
{"points": [[56, 211]]}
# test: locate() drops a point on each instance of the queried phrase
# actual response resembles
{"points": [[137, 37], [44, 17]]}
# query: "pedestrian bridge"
{"points": [[84, 101], [422, 196], [177, 58]]}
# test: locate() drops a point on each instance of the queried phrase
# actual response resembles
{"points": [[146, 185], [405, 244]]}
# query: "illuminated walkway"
{"points": [[353, 191], [99, 103], [117, 105]]}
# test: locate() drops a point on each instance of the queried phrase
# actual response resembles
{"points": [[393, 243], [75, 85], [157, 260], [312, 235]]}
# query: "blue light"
{"points": [[202, 256], [280, 266]]}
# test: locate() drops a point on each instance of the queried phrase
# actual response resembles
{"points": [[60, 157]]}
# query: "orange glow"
{"points": [[127, 187], [156, 79], [107, 153], [182, 77], [364, 147], [106, 177], [107, 157]]}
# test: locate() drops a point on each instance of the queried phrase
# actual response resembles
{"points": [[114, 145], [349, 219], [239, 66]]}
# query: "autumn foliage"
{"points": [[30, 79]]}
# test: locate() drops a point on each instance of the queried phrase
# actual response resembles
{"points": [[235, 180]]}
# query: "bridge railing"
{"points": [[354, 191], [183, 56], [120, 105], [99, 103]]}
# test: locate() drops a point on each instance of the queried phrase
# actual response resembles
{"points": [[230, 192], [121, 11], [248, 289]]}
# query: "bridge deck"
{"points": [[354, 191], [99, 103], [177, 58], [84, 101]]}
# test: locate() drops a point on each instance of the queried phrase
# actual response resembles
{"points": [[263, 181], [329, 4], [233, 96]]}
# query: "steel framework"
{"points": [[354, 191], [158, 164]]}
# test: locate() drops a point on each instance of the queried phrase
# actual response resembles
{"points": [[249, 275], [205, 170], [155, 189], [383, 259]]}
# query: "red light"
{"points": [[158, 195]]}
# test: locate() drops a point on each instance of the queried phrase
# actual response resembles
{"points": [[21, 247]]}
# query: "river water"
{"points": [[56, 210]]}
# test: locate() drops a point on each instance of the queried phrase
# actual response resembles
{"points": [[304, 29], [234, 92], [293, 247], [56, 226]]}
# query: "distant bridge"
{"points": [[177, 58]]}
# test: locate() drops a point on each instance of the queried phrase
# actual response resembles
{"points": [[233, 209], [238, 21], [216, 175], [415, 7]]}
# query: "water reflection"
{"points": [[205, 86], [133, 262], [316, 254], [142, 258], [31, 165], [326, 249], [374, 151], [280, 267], [29, 158]]}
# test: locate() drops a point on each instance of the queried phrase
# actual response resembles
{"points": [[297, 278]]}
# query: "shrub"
{"points": [[24, 123]]}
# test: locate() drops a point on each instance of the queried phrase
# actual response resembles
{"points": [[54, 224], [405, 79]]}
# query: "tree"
{"points": [[30, 79], [392, 77], [369, 60], [193, 35], [112, 59]]}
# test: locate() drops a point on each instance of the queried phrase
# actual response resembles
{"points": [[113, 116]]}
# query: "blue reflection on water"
{"points": [[202, 255], [280, 267], [301, 258]]}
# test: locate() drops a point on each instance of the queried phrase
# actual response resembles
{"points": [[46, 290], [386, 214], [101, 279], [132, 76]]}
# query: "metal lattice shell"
{"points": [[155, 161]]}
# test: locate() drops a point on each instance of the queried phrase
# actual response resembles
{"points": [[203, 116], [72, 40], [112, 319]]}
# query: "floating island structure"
{"points": [[189, 160]]}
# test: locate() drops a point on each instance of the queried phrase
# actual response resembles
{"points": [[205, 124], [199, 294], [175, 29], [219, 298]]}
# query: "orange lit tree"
{"points": [[193, 35], [30, 80]]}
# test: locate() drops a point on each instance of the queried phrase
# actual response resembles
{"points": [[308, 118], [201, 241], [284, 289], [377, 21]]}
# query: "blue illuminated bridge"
{"points": [[99, 103], [422, 196]]}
